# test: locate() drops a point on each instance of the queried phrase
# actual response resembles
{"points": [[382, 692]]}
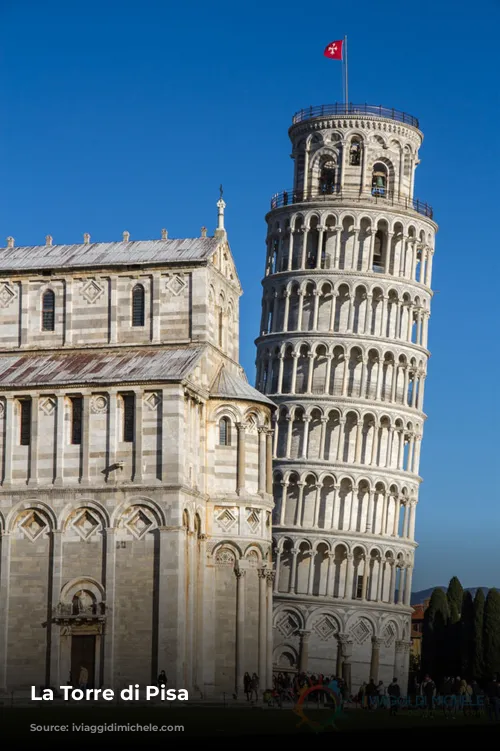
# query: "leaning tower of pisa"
{"points": [[343, 352]]}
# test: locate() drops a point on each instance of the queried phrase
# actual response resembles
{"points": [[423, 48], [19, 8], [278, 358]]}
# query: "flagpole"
{"points": [[346, 85]]}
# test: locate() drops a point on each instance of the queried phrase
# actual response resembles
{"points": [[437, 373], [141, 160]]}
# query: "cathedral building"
{"points": [[343, 352], [135, 467]]}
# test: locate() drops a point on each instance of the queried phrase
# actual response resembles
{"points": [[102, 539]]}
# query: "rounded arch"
{"points": [[230, 545], [130, 503], [286, 608], [82, 503], [30, 505], [86, 583], [322, 610]]}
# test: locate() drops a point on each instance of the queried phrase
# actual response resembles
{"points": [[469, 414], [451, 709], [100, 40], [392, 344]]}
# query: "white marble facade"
{"points": [[135, 469], [343, 352]]}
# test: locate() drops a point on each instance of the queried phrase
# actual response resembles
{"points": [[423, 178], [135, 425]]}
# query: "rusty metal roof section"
{"points": [[228, 386], [80, 368], [99, 255]]}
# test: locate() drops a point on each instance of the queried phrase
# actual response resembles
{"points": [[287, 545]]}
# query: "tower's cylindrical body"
{"points": [[343, 352]]}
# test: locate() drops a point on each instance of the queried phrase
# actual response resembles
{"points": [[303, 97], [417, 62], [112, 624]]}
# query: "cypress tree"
{"points": [[478, 656], [491, 632], [467, 636], [434, 636], [454, 595]]}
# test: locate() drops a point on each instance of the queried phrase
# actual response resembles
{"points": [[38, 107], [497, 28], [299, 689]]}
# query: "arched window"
{"points": [[355, 152], [327, 178], [48, 311], [138, 305], [224, 431], [379, 180]]}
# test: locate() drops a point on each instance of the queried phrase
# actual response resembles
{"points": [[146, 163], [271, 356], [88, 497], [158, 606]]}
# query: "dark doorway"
{"points": [[82, 655]]}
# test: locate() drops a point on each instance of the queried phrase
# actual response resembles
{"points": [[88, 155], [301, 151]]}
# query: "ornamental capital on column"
{"points": [[270, 577], [284, 483], [400, 645], [305, 634], [376, 642], [241, 427], [240, 572], [262, 572], [295, 355], [287, 293], [301, 484], [318, 486]]}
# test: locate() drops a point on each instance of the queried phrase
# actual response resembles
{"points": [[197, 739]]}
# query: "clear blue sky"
{"points": [[126, 115]]}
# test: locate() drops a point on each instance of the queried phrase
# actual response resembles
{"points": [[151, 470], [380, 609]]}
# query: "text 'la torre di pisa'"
{"points": [[343, 353]]}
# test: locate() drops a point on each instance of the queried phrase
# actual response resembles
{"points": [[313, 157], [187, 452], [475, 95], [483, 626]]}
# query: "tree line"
{"points": [[461, 635]]}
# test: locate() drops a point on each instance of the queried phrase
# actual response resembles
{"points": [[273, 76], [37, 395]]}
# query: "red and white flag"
{"points": [[334, 50]]}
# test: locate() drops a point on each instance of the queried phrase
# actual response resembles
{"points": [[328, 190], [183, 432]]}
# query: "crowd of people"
{"points": [[449, 696]]}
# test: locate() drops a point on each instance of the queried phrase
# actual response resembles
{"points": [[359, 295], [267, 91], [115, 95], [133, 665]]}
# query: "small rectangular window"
{"points": [[76, 419], [128, 417], [25, 428]]}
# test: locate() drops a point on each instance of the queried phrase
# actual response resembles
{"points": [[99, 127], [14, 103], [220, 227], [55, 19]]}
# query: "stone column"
{"points": [[138, 453], [271, 575], [60, 441], [380, 579], [9, 442], [262, 626], [284, 485], [398, 660], [316, 297], [340, 444], [364, 585], [401, 588], [408, 578], [413, 505], [373, 460], [54, 629], [369, 515], [240, 486], [33, 453], [4, 607], [330, 574], [109, 629], [349, 576], [392, 585], [262, 460], [85, 446], [286, 295], [317, 503], [305, 439], [346, 666], [300, 504], [293, 575], [324, 421], [374, 664], [304, 650], [240, 630], [280, 374], [289, 435]]}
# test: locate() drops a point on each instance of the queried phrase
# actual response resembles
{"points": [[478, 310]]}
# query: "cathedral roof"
{"points": [[88, 367], [229, 386], [94, 255]]}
